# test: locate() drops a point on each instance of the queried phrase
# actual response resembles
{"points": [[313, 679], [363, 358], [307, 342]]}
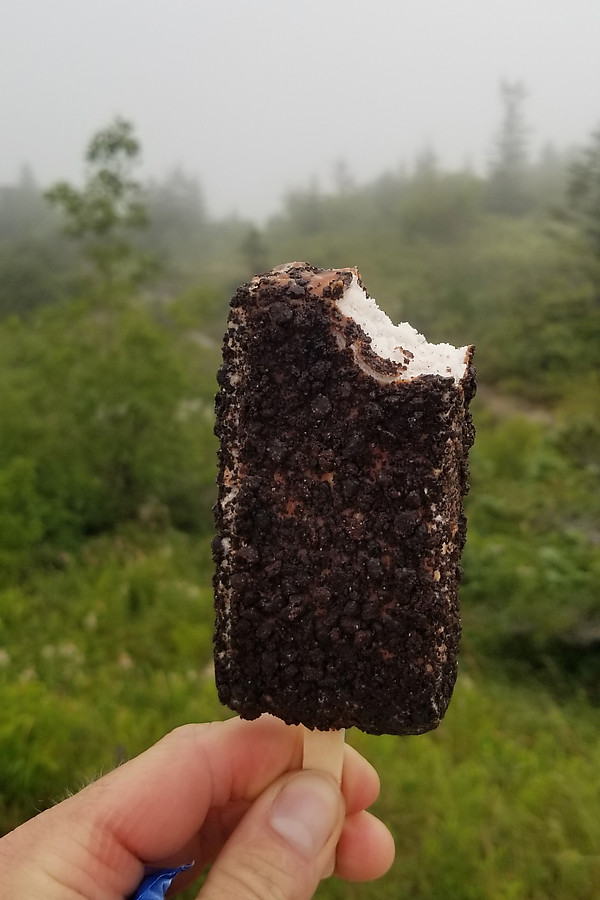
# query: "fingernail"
{"points": [[330, 867], [305, 812]]}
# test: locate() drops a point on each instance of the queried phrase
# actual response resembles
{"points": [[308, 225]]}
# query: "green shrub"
{"points": [[21, 513], [105, 410], [532, 566]]}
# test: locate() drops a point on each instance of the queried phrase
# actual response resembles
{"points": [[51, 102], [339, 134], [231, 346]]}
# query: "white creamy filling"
{"points": [[389, 340]]}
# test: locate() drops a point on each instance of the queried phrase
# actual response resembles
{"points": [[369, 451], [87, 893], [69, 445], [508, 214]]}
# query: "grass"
{"points": [[98, 660]]}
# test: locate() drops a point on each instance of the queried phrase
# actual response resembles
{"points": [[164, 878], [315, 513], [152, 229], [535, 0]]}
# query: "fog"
{"points": [[256, 97]]}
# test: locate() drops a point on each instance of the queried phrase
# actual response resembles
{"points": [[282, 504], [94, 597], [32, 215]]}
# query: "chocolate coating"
{"points": [[339, 521]]}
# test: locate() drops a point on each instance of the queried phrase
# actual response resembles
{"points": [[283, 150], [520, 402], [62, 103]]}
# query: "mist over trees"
{"points": [[438, 241], [160, 233]]}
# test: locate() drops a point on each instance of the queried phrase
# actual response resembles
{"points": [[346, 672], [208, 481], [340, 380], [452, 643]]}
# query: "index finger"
{"points": [[153, 804]]}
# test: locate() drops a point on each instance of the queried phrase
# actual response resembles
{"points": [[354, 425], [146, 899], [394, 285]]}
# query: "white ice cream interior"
{"points": [[389, 340]]}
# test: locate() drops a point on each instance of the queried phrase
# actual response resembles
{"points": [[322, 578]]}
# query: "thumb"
{"points": [[284, 844]]}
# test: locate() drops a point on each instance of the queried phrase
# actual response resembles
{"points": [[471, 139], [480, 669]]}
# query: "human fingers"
{"points": [[360, 787], [154, 804], [198, 767], [284, 844], [365, 849], [360, 781], [202, 767]]}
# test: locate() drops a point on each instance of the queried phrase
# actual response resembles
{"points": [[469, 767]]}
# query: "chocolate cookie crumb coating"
{"points": [[339, 520]]}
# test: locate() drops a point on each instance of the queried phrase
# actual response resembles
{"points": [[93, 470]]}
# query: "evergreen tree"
{"points": [[254, 251], [342, 178], [426, 165], [584, 191], [507, 190]]}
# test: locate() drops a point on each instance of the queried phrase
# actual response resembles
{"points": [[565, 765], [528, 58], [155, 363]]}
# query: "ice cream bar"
{"points": [[343, 463]]}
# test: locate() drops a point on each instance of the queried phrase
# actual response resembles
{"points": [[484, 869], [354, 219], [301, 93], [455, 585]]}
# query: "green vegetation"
{"points": [[105, 212], [107, 464]]}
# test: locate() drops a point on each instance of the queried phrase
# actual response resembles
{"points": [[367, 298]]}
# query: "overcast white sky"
{"points": [[258, 96]]}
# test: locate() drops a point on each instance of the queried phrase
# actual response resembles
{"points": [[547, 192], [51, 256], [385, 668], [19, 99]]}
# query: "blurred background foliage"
{"points": [[113, 300]]}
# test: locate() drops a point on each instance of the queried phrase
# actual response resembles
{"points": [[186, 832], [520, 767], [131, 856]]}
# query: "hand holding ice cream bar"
{"points": [[343, 463]]}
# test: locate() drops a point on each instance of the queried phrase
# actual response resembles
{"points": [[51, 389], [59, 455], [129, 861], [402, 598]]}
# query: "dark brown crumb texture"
{"points": [[339, 521]]}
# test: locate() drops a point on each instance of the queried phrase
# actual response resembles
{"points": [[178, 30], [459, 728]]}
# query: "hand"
{"points": [[228, 793]]}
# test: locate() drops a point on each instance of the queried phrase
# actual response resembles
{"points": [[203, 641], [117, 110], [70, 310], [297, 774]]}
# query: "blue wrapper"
{"points": [[155, 884]]}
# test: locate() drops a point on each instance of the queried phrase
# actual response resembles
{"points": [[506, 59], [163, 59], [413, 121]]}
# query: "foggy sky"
{"points": [[255, 97]]}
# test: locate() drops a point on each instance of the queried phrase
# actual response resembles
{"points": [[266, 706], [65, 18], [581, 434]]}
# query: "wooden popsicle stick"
{"points": [[324, 750]]}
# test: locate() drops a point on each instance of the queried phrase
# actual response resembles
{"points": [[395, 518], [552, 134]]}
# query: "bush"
{"points": [[532, 568], [103, 414], [21, 513]]}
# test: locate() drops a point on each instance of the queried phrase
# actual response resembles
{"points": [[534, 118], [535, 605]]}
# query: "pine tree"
{"points": [[584, 192], [507, 189]]}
